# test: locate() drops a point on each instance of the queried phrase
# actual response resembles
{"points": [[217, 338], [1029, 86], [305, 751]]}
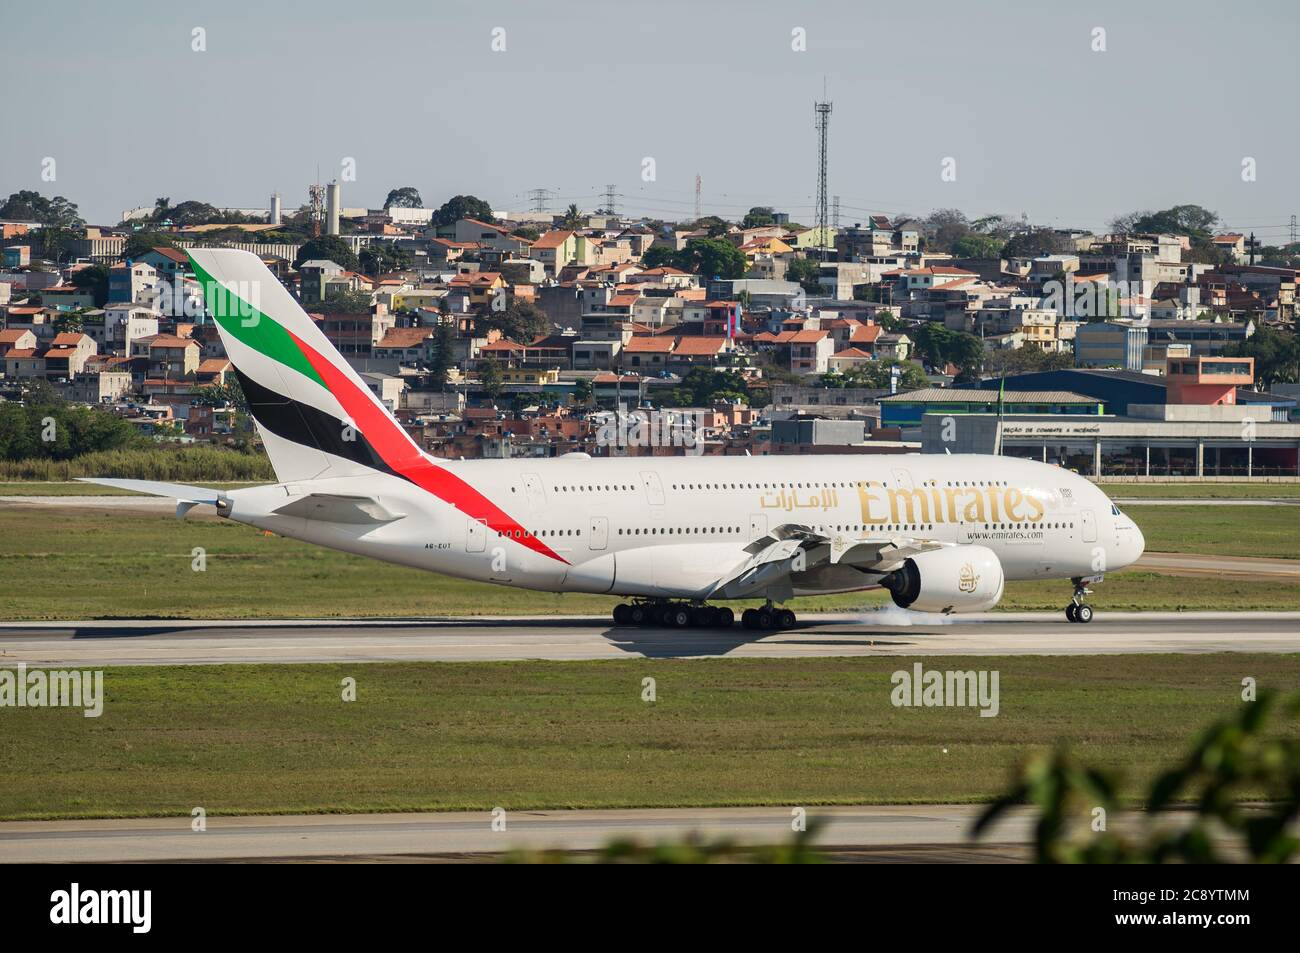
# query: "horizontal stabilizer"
{"points": [[177, 491]]}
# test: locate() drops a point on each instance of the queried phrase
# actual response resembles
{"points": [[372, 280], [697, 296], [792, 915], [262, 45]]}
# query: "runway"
{"points": [[941, 829], [883, 632]]}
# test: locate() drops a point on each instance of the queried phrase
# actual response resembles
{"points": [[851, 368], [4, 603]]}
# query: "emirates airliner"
{"points": [[941, 533]]}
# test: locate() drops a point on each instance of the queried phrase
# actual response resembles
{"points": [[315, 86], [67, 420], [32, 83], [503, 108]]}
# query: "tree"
{"points": [[463, 206], [1242, 758], [657, 256], [379, 257], [444, 341], [1276, 354], [405, 197], [702, 386], [344, 302], [584, 392], [95, 278], [489, 377], [56, 242], [329, 248], [711, 258], [1037, 242], [941, 346], [520, 321], [758, 216], [29, 206], [1025, 360], [1194, 221], [806, 272], [877, 374], [978, 246], [943, 227], [143, 242], [572, 217], [526, 232]]}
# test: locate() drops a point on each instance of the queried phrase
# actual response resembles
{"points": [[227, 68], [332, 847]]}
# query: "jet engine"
{"points": [[953, 579]]}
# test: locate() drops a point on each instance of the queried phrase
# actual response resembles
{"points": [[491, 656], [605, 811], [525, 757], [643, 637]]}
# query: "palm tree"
{"points": [[572, 217]]}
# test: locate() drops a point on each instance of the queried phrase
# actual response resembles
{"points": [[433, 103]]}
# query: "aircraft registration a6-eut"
{"points": [[941, 533]]}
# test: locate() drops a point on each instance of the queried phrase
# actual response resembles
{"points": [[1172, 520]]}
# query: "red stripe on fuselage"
{"points": [[400, 452]]}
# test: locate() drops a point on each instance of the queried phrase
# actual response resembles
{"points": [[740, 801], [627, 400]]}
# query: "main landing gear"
{"points": [[674, 615], [679, 615], [1077, 611], [767, 617]]}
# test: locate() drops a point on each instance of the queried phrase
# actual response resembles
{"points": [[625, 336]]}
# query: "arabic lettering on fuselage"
{"points": [[789, 500]]}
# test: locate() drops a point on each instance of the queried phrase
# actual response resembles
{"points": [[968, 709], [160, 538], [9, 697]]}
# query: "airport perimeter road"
{"points": [[943, 829], [883, 632], [1245, 567]]}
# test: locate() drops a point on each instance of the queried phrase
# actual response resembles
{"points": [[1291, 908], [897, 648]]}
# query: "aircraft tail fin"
{"points": [[316, 415]]}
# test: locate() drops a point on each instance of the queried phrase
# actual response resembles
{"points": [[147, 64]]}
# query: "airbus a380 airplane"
{"points": [[940, 533]]}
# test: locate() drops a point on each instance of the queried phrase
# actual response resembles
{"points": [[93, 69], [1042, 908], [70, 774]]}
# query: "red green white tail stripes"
{"points": [[304, 395]]}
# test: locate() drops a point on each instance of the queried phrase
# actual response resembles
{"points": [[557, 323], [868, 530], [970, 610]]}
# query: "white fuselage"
{"points": [[672, 526]]}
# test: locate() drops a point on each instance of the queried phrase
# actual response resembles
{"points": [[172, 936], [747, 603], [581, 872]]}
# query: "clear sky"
{"points": [[1037, 122]]}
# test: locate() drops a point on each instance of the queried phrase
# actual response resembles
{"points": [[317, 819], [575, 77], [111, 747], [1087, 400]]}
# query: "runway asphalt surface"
{"points": [[940, 830], [883, 632]]}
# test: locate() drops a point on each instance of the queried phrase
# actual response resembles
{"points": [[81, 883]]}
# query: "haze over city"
{"points": [[1038, 121]]}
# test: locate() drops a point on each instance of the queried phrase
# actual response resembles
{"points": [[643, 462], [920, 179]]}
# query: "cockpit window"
{"points": [[1114, 510]]}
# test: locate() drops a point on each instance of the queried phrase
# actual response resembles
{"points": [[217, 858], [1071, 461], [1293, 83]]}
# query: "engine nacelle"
{"points": [[953, 579]]}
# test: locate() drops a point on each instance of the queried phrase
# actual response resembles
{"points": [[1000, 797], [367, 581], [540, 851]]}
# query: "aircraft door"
{"points": [[535, 492], [654, 489], [1089, 522], [475, 535], [757, 526], [598, 538]]}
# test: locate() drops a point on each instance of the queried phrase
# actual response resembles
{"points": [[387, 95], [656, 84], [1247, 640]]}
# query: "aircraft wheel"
{"points": [[637, 614], [747, 619], [785, 619], [1070, 611], [679, 617], [764, 618], [621, 614], [1083, 614], [726, 619], [703, 617]]}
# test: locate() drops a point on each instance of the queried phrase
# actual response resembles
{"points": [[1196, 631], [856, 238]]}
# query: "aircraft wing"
{"points": [[791, 548]]}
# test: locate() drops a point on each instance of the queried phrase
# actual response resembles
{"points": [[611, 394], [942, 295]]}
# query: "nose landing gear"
{"points": [[1077, 611]]}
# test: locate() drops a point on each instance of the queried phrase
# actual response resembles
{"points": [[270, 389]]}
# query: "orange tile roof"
{"points": [[405, 337], [553, 239], [644, 344], [699, 346]]}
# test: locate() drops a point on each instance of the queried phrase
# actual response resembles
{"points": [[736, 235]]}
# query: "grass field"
{"points": [[470, 736], [1220, 530], [80, 564], [76, 488], [1202, 491]]}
